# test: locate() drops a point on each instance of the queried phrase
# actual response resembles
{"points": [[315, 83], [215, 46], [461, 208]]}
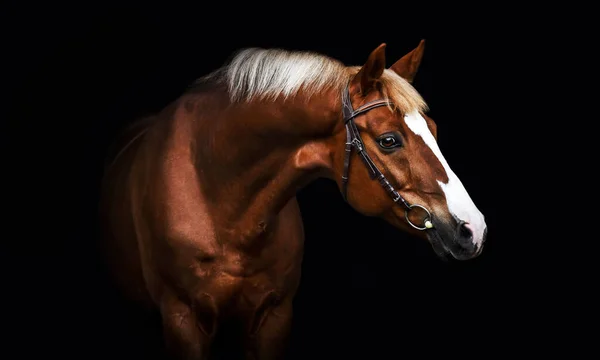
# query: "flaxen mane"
{"points": [[256, 73]]}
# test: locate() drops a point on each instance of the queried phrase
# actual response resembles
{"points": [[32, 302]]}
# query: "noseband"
{"points": [[353, 139]]}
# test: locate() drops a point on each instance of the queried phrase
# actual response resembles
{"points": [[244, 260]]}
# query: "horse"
{"points": [[199, 207]]}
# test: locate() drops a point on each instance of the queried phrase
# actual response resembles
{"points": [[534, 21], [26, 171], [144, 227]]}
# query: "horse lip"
{"points": [[443, 249]]}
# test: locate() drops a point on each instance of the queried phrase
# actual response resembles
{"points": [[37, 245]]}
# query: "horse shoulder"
{"points": [[184, 215]]}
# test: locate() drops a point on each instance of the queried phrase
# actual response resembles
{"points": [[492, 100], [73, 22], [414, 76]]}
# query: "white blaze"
{"points": [[458, 200]]}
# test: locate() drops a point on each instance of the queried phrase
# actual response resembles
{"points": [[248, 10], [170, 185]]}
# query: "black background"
{"points": [[76, 75]]}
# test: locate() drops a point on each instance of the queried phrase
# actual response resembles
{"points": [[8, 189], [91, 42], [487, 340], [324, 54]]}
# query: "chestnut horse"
{"points": [[199, 207]]}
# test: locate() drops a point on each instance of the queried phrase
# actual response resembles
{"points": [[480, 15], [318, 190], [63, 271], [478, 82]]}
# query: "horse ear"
{"points": [[408, 65], [371, 71]]}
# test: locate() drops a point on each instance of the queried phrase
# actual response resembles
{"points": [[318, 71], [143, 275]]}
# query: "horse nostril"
{"points": [[464, 232]]}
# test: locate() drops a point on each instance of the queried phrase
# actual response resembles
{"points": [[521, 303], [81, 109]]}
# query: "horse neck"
{"points": [[247, 155]]}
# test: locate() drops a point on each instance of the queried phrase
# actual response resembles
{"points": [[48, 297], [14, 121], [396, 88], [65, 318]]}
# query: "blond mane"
{"points": [[257, 73]]}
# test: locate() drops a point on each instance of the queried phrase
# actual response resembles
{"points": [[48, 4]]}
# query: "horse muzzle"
{"points": [[456, 239]]}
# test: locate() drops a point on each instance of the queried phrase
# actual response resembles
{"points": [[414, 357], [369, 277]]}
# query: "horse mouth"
{"points": [[446, 248]]}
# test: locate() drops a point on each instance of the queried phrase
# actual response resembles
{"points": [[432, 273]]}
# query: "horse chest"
{"points": [[238, 276], [233, 285], [223, 261]]}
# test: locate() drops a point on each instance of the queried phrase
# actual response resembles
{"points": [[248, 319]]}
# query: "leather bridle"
{"points": [[353, 139]]}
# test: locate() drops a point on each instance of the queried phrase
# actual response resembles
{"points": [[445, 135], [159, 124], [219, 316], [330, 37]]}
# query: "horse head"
{"points": [[403, 176]]}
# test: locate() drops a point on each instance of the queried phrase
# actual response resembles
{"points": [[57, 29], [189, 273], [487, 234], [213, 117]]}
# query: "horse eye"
{"points": [[388, 142]]}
